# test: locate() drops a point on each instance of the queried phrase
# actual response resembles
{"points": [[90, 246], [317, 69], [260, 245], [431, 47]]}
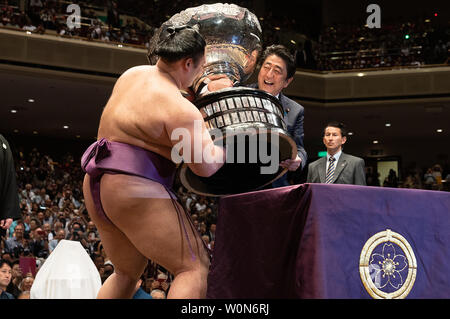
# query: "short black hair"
{"points": [[4, 261], [172, 43], [282, 52], [76, 223], [338, 125]]}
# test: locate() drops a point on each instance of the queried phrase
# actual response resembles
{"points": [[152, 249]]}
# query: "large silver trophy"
{"points": [[248, 122]]}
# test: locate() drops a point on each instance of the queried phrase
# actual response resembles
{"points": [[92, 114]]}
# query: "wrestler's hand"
{"points": [[291, 165], [218, 81], [6, 223]]}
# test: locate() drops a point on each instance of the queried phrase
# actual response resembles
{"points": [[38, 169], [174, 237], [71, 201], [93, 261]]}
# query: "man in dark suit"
{"points": [[337, 167], [276, 73]]}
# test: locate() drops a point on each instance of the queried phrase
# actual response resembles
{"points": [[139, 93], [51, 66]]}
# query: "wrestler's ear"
{"points": [[187, 63]]}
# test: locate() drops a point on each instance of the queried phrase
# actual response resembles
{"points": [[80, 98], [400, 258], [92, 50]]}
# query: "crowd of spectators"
{"points": [[52, 208], [415, 43], [339, 47], [97, 23]]}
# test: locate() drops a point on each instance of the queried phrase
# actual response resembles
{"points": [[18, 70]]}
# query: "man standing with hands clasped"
{"points": [[337, 167]]}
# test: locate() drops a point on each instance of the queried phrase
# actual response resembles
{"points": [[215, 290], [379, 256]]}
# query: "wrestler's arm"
{"points": [[191, 139]]}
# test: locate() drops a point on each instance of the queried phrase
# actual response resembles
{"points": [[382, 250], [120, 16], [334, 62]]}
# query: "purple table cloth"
{"points": [[332, 241]]}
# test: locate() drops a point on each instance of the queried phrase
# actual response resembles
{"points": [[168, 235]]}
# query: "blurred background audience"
{"points": [[399, 42]]}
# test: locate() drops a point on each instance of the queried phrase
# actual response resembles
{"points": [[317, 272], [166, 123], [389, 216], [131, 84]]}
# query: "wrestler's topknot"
{"points": [[173, 43]]}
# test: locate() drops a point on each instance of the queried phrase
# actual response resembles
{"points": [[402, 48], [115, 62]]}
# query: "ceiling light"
{"points": [[350, 133], [31, 100], [439, 130], [375, 142], [66, 127], [387, 124], [16, 131], [13, 111]]}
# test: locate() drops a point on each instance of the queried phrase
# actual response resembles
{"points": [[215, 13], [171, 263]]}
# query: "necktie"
{"points": [[330, 171]]}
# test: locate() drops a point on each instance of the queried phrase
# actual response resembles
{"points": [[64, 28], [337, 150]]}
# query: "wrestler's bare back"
{"points": [[144, 105]]}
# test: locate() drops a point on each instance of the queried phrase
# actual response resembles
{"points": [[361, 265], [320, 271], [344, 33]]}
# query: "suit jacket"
{"points": [[349, 170], [293, 116]]}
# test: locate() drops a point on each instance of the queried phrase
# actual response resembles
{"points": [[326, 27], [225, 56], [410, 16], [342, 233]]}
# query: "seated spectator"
{"points": [[40, 197], [16, 279], [77, 234], [410, 182], [47, 228], [92, 237], [34, 223], [7, 257], [17, 244], [68, 198], [28, 194], [60, 235], [391, 180], [108, 269], [39, 244], [5, 279], [158, 294], [99, 262], [26, 283]]}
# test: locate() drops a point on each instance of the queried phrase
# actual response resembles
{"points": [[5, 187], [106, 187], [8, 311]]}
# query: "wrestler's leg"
{"points": [[144, 212], [128, 262]]}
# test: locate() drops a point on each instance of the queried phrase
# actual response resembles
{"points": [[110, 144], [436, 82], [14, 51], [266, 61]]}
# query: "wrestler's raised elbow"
{"points": [[211, 165], [206, 170]]}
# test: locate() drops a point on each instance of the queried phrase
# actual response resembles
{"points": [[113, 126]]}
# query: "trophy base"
{"points": [[255, 137]]}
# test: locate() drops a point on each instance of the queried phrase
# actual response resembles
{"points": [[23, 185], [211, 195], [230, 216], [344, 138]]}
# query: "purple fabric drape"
{"points": [[305, 241]]}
